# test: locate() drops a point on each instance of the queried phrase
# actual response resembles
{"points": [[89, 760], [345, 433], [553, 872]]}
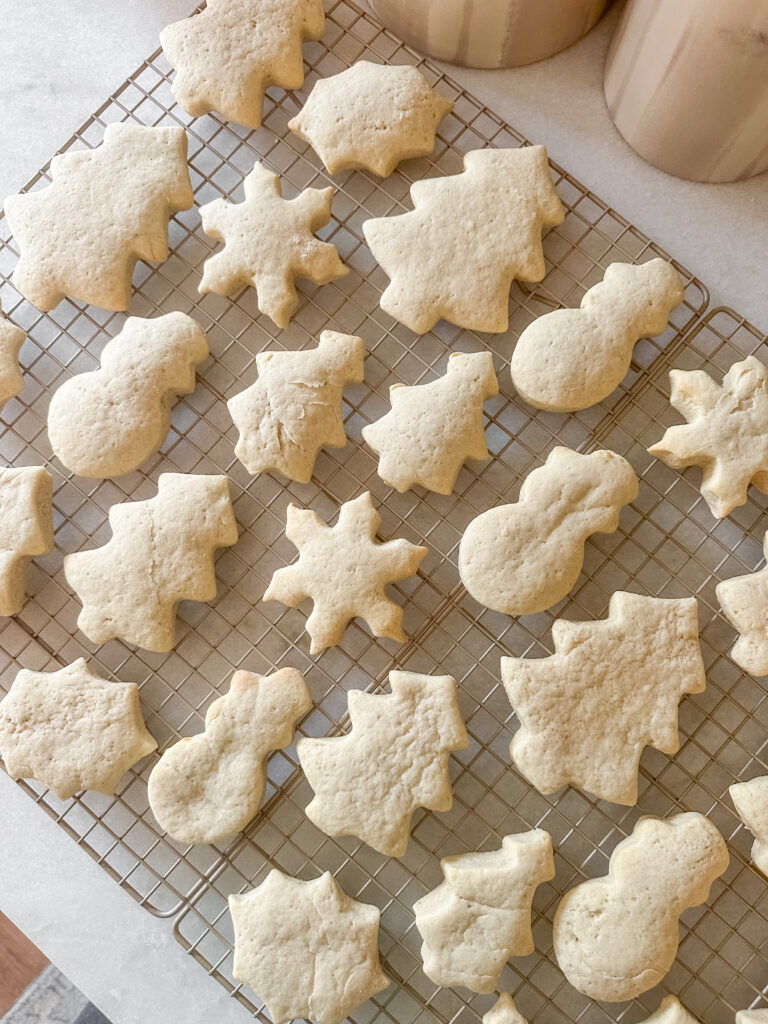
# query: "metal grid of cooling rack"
{"points": [[667, 544]]}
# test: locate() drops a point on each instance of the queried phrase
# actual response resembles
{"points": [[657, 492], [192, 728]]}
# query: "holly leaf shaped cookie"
{"points": [[72, 730], [11, 340], [621, 679], [26, 529], [344, 570], [227, 56], [306, 948], [105, 209], [161, 551], [434, 428], [269, 242], [455, 255], [294, 408], [726, 433], [371, 117], [369, 782]]}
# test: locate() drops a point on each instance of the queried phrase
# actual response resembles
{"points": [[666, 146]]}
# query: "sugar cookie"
{"points": [[751, 802], [11, 340], [26, 529], [744, 600], [504, 1011]]}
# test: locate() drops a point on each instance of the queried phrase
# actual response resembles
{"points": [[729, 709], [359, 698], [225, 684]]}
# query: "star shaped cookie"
{"points": [[344, 570], [306, 948], [371, 116], [269, 242]]}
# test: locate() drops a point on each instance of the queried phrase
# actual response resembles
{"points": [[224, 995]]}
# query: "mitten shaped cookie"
{"points": [[480, 915], [105, 209], [617, 936], [26, 529], [523, 558], [369, 782], [572, 358], [107, 422], [294, 408], [434, 428]]}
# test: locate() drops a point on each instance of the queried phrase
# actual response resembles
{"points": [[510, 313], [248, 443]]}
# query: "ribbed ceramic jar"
{"points": [[489, 33], [686, 82]]}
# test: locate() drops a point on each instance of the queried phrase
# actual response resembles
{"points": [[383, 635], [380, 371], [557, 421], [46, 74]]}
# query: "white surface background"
{"points": [[60, 61]]}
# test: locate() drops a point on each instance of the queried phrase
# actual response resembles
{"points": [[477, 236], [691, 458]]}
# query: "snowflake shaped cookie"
{"points": [[294, 408], [455, 255], [161, 550], [11, 340], [434, 428], [306, 948], [26, 529], [344, 570], [369, 782], [72, 730], [227, 56], [621, 679], [371, 117], [105, 209], [269, 242], [726, 433]]}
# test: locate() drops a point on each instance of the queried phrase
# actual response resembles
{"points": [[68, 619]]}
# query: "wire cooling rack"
{"points": [[667, 544]]}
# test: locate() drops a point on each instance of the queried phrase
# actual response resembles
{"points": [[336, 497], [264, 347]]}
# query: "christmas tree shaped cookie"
{"points": [[371, 116], [227, 56], [344, 570], [107, 422], [455, 255], [11, 340], [572, 358], [105, 209], [294, 408], [206, 788], [369, 782], [480, 915], [161, 551], [504, 1011], [726, 432], [617, 936], [269, 242], [72, 730], [26, 529], [306, 948], [523, 558], [751, 802], [744, 600], [621, 679], [434, 428]]}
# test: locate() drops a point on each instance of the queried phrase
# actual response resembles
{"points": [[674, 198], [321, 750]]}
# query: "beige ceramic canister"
{"points": [[686, 82], [489, 33]]}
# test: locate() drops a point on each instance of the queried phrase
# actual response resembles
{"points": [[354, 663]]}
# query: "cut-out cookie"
{"points": [[269, 242], [26, 529], [480, 915], [434, 428], [455, 255], [671, 1011], [617, 936], [306, 948], [573, 358], [369, 782], [226, 57], [208, 787], [504, 1011], [371, 116], [523, 558], [744, 600], [161, 552], [759, 1016], [11, 340], [344, 570], [107, 422], [294, 408], [726, 432], [621, 679], [751, 802], [105, 209], [72, 730]]}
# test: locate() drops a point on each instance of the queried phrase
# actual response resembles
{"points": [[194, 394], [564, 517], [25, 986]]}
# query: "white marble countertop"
{"points": [[60, 61]]}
